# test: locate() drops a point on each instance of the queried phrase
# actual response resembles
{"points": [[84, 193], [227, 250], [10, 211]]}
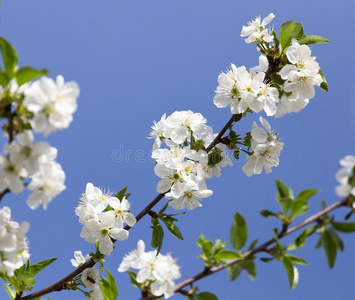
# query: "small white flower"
{"points": [[90, 277], [344, 189], [79, 259], [256, 32], [121, 210]]}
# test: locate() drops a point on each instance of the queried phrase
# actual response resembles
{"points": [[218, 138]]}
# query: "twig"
{"points": [[261, 248]]}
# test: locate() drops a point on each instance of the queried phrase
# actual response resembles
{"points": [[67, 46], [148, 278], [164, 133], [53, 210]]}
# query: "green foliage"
{"points": [[40, 266], [324, 84], [301, 239], [235, 270], [122, 193], [291, 271], [157, 235], [108, 286], [172, 227], [26, 74], [239, 232], [10, 291], [284, 196], [331, 243], [206, 296], [344, 227], [133, 278], [313, 39], [9, 57], [288, 31]]}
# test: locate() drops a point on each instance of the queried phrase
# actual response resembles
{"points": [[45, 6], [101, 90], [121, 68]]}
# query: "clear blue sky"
{"points": [[134, 61]]}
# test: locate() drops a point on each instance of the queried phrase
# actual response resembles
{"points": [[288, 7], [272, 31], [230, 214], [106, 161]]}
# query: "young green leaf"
{"points": [[296, 260], [26, 74], [239, 232], [252, 245], [299, 207], [206, 296], [301, 239], [284, 196], [324, 84], [132, 276], [234, 271], [250, 267], [306, 194], [28, 280], [288, 31], [267, 214], [121, 193], [227, 255], [330, 247], [108, 286], [313, 39], [337, 240], [238, 117], [38, 267], [9, 57], [157, 237], [10, 291], [291, 271], [175, 231], [344, 227]]}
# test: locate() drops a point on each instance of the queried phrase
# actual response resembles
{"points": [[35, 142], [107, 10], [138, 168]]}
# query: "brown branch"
{"points": [[261, 248], [90, 263]]}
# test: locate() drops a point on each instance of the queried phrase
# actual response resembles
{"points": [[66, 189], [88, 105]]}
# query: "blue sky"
{"points": [[135, 61]]}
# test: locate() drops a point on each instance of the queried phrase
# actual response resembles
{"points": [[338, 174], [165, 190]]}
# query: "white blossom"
{"points": [[53, 103], [256, 31], [90, 277], [79, 259], [344, 188]]}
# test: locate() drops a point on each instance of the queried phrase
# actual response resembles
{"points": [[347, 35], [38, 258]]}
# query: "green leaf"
{"points": [[108, 286], [313, 39], [28, 280], [337, 240], [132, 276], [306, 194], [38, 267], [284, 196], [324, 84], [10, 291], [121, 193], [239, 232], [291, 271], [299, 207], [266, 259], [277, 239], [301, 239], [250, 267], [288, 31], [157, 237], [344, 227], [234, 271], [164, 207], [175, 231], [267, 213], [252, 245], [9, 57], [205, 244], [26, 74], [238, 117], [296, 260], [227, 255], [330, 247], [207, 296]]}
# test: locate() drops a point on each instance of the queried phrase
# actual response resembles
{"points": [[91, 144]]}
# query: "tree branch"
{"points": [[261, 248], [90, 263]]}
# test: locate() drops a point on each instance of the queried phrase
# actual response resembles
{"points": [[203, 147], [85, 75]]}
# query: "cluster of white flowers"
{"points": [[266, 149], [346, 177], [244, 90], [185, 165], [300, 76], [52, 103], [160, 270], [13, 243], [103, 217], [35, 161], [256, 31]]}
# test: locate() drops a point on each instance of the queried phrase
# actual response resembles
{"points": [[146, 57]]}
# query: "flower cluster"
{"points": [[266, 149], [52, 103], [300, 75], [185, 165], [159, 270], [35, 161], [13, 243], [287, 90], [103, 217], [256, 31], [346, 177]]}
